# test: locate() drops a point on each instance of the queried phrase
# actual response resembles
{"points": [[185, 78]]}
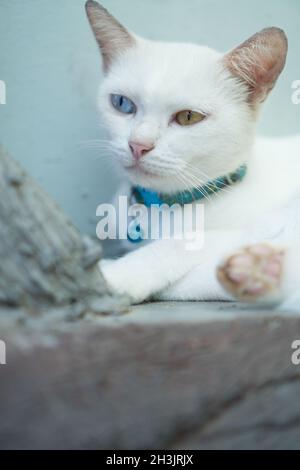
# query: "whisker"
{"points": [[209, 184], [195, 183]]}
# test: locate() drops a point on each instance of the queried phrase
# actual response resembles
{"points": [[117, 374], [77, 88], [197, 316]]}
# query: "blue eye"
{"points": [[123, 104]]}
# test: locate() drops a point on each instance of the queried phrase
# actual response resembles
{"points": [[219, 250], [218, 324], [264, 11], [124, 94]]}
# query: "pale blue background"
{"points": [[51, 66]]}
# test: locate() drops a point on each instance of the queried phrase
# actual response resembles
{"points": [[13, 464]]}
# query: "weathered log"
{"points": [[45, 261]]}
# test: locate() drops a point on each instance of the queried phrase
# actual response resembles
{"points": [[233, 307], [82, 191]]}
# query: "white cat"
{"points": [[180, 116]]}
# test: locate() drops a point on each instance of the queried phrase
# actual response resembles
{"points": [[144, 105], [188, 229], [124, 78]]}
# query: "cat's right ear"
{"points": [[258, 62], [110, 35]]}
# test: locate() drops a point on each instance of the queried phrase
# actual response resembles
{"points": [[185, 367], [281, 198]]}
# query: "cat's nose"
{"points": [[139, 149]]}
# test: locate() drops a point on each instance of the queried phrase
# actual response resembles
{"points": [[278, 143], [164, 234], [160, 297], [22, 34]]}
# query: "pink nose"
{"points": [[139, 150]]}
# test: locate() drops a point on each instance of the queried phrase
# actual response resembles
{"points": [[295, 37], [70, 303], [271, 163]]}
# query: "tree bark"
{"points": [[45, 262]]}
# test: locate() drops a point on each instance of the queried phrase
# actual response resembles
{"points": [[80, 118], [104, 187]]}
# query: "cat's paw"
{"points": [[120, 281], [253, 273]]}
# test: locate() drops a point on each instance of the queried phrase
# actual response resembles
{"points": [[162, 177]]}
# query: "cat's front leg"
{"points": [[149, 269], [154, 267]]}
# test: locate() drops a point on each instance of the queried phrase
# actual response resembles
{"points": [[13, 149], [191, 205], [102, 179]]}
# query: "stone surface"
{"points": [[166, 375]]}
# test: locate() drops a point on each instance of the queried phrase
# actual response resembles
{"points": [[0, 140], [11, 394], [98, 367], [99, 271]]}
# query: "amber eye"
{"points": [[187, 117]]}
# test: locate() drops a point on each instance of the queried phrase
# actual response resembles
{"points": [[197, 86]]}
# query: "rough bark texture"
{"points": [[44, 259]]}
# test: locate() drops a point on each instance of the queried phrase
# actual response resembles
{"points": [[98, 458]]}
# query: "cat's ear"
{"points": [[110, 35], [259, 62]]}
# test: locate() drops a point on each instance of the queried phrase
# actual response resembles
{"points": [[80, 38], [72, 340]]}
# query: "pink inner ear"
{"points": [[110, 35], [259, 62]]}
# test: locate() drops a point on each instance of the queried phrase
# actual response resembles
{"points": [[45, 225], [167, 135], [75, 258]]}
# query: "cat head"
{"points": [[180, 114]]}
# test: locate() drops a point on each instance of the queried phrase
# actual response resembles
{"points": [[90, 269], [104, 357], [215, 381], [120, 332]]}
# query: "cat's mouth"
{"points": [[139, 170]]}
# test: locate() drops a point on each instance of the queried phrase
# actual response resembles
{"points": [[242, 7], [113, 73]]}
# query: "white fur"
{"points": [[162, 79]]}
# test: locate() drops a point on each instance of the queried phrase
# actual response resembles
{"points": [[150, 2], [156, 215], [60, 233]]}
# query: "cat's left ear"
{"points": [[258, 62], [110, 35]]}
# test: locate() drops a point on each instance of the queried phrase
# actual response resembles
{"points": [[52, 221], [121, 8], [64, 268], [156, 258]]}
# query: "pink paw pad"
{"points": [[252, 273]]}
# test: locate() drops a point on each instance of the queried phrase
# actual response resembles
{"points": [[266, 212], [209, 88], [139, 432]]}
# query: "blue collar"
{"points": [[149, 197]]}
